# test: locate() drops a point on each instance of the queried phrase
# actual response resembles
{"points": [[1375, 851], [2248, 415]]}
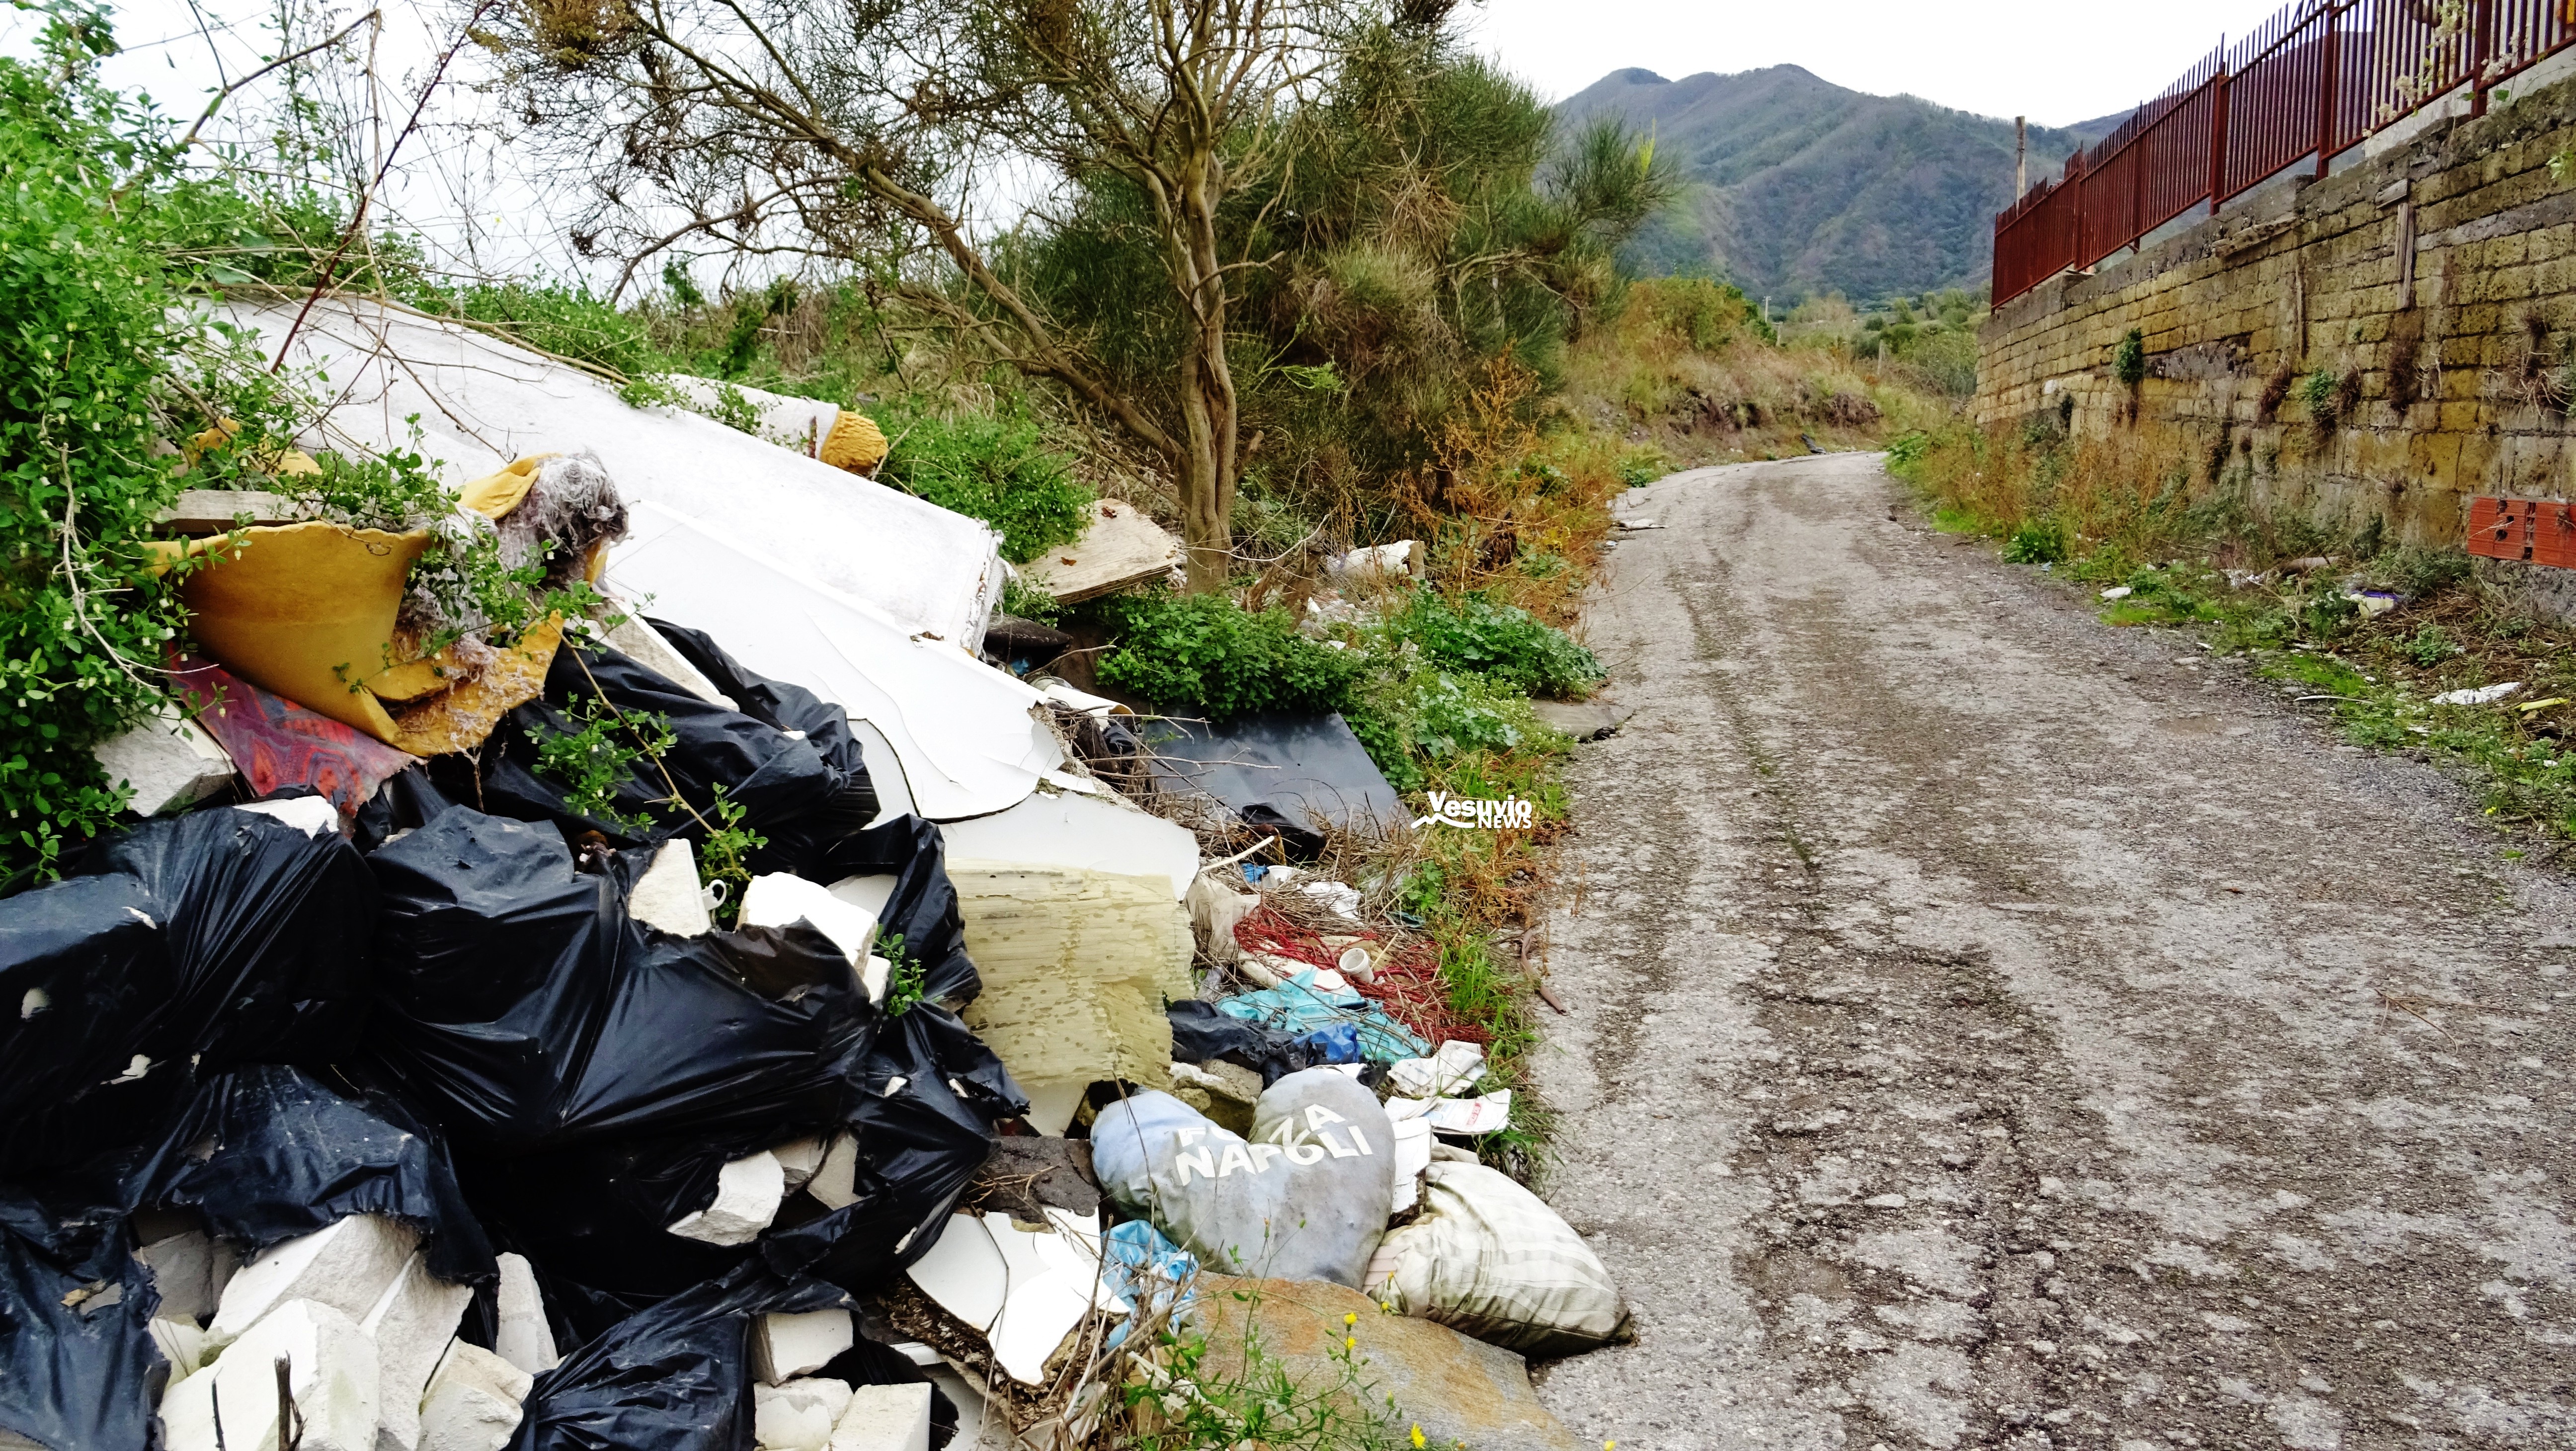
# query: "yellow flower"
{"points": [[1350, 1342], [1351, 1319], [1418, 1441]]}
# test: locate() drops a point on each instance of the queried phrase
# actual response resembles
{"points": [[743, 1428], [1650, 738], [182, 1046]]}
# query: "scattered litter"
{"points": [[1300, 1007], [1466, 1117], [169, 762], [1454, 1067], [2481, 695], [2118, 592], [1486, 1257], [1406, 558], [2373, 603], [1024, 1290], [1638, 524], [2531, 706]]}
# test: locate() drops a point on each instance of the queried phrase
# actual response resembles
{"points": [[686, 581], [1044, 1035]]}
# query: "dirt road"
{"points": [[1991, 1028]]}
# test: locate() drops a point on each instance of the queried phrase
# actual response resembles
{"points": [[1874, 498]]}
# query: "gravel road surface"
{"points": [[1991, 1028]]}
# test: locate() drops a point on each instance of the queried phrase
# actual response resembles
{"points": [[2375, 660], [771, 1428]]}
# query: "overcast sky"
{"points": [[2052, 62]]}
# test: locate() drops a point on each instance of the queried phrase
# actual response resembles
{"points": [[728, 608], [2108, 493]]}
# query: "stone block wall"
{"points": [[2435, 283]]}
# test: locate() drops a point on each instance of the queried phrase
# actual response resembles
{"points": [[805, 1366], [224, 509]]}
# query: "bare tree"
{"points": [[868, 131]]}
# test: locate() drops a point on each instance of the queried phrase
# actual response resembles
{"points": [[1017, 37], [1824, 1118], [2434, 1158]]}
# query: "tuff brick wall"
{"points": [[2440, 276]]}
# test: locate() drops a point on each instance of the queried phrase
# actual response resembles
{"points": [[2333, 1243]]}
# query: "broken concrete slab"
{"points": [[834, 1185], [331, 1378], [787, 1345], [884, 1418], [411, 1325], [183, 1269], [346, 1266], [524, 1338], [1120, 547], [1585, 720], [1459, 1391], [168, 761], [474, 1401], [1097, 833], [1076, 967], [748, 1192], [668, 895]]}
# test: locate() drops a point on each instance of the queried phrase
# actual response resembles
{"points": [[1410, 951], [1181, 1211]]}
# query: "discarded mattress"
{"points": [[969, 737], [1307, 768], [483, 403]]}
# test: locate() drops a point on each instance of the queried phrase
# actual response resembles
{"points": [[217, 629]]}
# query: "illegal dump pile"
{"points": [[610, 961]]}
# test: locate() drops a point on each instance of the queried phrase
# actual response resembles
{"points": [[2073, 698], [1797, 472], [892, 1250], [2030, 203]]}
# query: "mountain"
{"points": [[1797, 186]]}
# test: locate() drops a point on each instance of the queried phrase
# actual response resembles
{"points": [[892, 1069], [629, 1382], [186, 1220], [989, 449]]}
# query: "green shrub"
{"points": [[991, 468], [2041, 541], [1500, 642], [2129, 359], [1639, 467], [1413, 717], [569, 322], [1205, 652]]}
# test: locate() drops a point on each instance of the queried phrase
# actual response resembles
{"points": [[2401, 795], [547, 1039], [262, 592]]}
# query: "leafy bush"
{"points": [[1205, 652], [1500, 642], [2041, 541], [569, 322], [995, 469], [1639, 467], [2129, 359]]}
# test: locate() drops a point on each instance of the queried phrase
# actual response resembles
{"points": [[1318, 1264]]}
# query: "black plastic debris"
{"points": [[267, 1153], [594, 1077], [407, 801], [790, 792], [675, 1377], [77, 1364], [775, 702], [1290, 772], [182, 948], [1200, 1033]]}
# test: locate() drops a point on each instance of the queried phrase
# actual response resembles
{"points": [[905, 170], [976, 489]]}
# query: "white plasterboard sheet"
{"points": [[965, 733], [1091, 832], [483, 402]]}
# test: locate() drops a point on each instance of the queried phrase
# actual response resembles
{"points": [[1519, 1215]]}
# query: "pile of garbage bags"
{"points": [[442, 1103]]}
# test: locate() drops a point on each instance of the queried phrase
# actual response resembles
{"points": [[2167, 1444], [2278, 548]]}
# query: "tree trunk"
{"points": [[1209, 453]]}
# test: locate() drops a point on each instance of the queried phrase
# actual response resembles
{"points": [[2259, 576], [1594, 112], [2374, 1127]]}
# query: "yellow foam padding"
{"points": [[495, 495], [855, 443], [306, 611], [458, 719]]}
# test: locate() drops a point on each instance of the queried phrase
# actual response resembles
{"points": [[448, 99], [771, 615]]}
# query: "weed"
{"points": [[1027, 602], [1205, 652], [2430, 646], [991, 468], [2129, 359], [1498, 641], [2041, 541], [2318, 392], [904, 973], [595, 763]]}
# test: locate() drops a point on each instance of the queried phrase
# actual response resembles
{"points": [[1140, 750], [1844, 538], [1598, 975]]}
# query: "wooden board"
{"points": [[2539, 531], [1121, 548], [213, 511]]}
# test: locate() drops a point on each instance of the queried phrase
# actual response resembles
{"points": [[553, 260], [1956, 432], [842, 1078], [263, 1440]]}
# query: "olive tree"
{"points": [[931, 131]]}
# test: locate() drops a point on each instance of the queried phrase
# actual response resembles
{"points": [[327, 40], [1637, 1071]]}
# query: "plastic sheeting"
{"points": [[1286, 768], [267, 1153], [77, 1366], [186, 946], [482, 403], [970, 738], [790, 792], [1201, 1033], [1304, 1010]]}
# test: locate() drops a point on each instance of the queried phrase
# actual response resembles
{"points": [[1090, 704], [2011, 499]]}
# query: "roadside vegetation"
{"points": [[2365, 631]]}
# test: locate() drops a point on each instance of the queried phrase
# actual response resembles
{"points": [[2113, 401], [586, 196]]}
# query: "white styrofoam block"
{"points": [[181, 1343], [331, 1375], [411, 1325], [668, 895], [183, 1270], [748, 1192], [784, 1347], [834, 1185], [876, 977], [169, 761], [781, 898], [798, 1416], [800, 1159], [312, 815], [345, 1266], [885, 1418], [523, 1338], [474, 1401]]}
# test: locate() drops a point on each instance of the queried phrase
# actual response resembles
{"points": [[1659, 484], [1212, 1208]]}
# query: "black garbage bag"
{"points": [[595, 1076], [675, 1377], [775, 702], [407, 801], [789, 793], [1200, 1033], [182, 948], [922, 909], [77, 1365], [267, 1153]]}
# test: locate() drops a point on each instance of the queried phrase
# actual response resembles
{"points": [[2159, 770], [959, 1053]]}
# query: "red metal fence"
{"points": [[2311, 81]]}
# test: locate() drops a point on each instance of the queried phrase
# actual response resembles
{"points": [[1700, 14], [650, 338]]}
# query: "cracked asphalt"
{"points": [[1992, 1028]]}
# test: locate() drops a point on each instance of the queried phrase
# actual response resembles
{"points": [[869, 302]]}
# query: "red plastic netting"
{"points": [[1406, 983]]}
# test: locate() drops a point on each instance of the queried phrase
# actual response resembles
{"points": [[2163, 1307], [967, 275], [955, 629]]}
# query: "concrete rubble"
{"points": [[973, 948]]}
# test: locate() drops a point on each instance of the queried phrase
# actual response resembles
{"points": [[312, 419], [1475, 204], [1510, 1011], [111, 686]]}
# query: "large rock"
{"points": [[1459, 1391]]}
